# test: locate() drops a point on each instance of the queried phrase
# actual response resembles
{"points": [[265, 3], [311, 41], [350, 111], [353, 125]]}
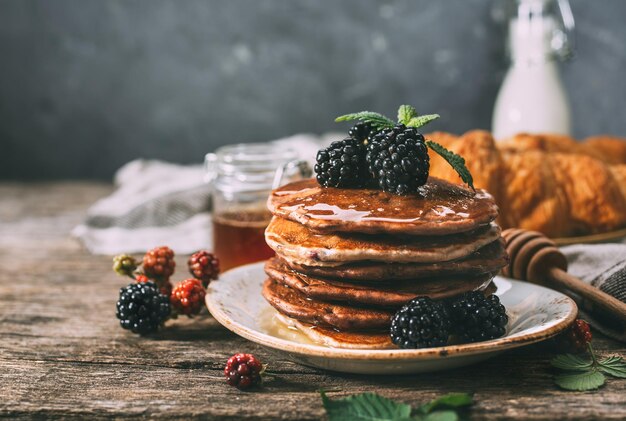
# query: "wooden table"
{"points": [[62, 352]]}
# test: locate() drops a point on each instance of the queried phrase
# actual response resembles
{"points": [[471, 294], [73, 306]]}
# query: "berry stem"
{"points": [[592, 353]]}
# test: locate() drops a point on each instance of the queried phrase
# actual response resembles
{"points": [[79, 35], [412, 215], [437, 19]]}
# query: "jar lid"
{"points": [[246, 167]]}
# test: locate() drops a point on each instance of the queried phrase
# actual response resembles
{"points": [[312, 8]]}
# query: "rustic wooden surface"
{"points": [[62, 352]]}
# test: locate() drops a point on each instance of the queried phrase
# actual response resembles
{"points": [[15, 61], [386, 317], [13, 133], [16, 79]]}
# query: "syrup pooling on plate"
{"points": [[437, 202]]}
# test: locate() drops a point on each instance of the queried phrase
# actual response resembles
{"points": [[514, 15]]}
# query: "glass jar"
{"points": [[241, 177]]}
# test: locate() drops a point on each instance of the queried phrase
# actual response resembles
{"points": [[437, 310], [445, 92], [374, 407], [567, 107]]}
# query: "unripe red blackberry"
{"points": [[578, 336], [243, 371], [159, 264], [188, 297], [204, 266]]}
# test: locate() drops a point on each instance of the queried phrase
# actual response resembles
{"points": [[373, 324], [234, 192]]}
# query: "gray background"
{"points": [[86, 85]]}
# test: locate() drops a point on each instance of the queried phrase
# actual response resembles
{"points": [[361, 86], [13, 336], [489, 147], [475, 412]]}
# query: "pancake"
{"points": [[294, 304], [490, 258], [392, 295], [298, 244], [335, 339], [440, 208], [349, 340]]}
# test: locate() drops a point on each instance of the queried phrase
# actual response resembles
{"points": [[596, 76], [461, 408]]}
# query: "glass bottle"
{"points": [[532, 98], [241, 177]]}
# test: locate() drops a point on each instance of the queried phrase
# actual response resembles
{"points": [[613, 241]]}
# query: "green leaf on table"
{"points": [[365, 407], [614, 366], [421, 120], [456, 161], [378, 121], [438, 416], [451, 400], [571, 362], [587, 380], [406, 113]]}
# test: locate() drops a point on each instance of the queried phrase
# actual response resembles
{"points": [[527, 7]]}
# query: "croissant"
{"points": [[548, 183]]}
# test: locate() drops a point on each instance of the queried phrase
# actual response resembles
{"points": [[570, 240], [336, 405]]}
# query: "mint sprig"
{"points": [[582, 374], [371, 406], [421, 120], [456, 161], [407, 115], [376, 120]]}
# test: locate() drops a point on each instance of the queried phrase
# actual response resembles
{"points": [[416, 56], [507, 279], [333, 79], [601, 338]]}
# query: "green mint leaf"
{"points": [[440, 416], [588, 380], [451, 400], [421, 120], [614, 366], [378, 121], [456, 161], [365, 407], [406, 113], [571, 362]]}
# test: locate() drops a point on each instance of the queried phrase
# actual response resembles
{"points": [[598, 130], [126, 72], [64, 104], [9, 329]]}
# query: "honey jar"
{"points": [[241, 177]]}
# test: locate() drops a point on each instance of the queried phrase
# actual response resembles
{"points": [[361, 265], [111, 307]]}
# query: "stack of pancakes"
{"points": [[348, 259]]}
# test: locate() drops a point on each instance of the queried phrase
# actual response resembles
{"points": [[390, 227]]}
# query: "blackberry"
{"points": [[476, 317], [398, 160], [204, 266], [342, 164], [159, 264], [422, 323], [577, 337], [243, 371], [141, 308], [361, 132], [188, 297]]}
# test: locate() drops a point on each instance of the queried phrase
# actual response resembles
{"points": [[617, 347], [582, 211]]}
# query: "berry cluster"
{"points": [[141, 308], [421, 323], [381, 152], [144, 305], [576, 338], [342, 164], [471, 317], [204, 266], [398, 159], [243, 371], [395, 159], [188, 297]]}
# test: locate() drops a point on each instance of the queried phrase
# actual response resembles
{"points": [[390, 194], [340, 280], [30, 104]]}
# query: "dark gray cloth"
{"points": [[604, 267]]}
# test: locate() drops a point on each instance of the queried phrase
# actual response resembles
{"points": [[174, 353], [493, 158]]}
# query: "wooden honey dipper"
{"points": [[535, 258]]}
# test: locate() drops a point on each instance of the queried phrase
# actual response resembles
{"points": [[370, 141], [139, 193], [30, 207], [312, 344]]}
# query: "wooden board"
{"points": [[62, 352]]}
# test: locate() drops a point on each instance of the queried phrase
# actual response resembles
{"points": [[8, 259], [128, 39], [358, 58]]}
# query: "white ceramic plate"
{"points": [[535, 314]]}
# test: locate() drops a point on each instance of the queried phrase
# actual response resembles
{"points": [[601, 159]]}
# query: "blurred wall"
{"points": [[86, 85]]}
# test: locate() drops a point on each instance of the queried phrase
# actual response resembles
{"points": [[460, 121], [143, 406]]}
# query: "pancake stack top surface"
{"points": [[348, 259]]}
